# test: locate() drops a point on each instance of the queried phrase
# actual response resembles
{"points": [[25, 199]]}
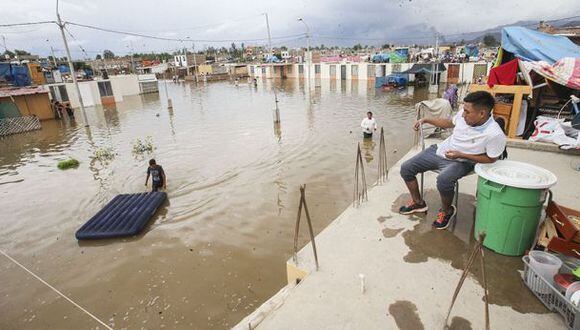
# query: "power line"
{"points": [[78, 43], [142, 35], [28, 23]]}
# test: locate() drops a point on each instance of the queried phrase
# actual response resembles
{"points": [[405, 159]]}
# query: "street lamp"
{"points": [[307, 49]]}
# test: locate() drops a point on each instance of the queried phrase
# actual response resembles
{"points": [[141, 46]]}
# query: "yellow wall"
{"points": [[36, 74], [34, 104], [204, 68]]}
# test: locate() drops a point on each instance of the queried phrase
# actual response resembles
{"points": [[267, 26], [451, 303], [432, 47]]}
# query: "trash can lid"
{"points": [[517, 174]]}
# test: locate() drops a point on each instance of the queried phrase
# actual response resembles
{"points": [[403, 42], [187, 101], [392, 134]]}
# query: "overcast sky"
{"points": [[391, 20]]}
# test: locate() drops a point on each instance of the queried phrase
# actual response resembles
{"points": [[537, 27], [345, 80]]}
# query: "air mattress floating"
{"points": [[124, 215]]}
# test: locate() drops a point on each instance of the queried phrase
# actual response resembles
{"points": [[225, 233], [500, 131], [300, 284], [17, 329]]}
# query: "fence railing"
{"points": [[15, 125]]}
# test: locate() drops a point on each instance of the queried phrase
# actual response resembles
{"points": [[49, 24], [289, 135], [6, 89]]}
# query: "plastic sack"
{"points": [[552, 130]]}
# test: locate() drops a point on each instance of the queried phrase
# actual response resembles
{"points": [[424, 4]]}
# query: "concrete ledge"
{"points": [[539, 146]]}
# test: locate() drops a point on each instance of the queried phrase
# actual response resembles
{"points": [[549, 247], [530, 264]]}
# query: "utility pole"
{"points": [[277, 113], [434, 86], [132, 62], [71, 67], [194, 60], [169, 103], [53, 57], [308, 57], [4, 42]]}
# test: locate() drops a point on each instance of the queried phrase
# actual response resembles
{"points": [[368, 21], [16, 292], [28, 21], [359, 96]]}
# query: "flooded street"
{"points": [[217, 249]]}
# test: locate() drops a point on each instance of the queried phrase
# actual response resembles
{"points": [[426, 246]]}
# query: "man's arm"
{"points": [[481, 158], [437, 122], [147, 179], [164, 179]]}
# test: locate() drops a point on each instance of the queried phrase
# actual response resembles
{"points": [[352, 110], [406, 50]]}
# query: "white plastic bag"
{"points": [[551, 130]]}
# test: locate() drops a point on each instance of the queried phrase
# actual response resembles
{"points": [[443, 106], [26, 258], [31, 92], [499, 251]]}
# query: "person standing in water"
{"points": [[369, 125], [158, 178]]}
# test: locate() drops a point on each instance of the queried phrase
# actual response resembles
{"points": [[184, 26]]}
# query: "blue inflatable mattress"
{"points": [[124, 215]]}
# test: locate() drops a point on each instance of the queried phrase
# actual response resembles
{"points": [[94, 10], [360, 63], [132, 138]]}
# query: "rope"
{"points": [[55, 290]]}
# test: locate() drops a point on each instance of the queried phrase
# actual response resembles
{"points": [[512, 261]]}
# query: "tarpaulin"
{"points": [[504, 74], [425, 68], [436, 108], [471, 50], [16, 75], [20, 75], [533, 45], [565, 72], [63, 69], [380, 58], [395, 57]]}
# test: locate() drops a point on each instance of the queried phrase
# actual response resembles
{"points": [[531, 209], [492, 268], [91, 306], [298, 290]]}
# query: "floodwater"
{"points": [[217, 249]]}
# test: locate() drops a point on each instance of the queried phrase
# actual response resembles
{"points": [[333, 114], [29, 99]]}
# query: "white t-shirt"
{"points": [[486, 139], [368, 125]]}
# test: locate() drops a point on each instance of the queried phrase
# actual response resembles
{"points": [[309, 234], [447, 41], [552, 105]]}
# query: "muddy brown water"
{"points": [[454, 245], [217, 249]]}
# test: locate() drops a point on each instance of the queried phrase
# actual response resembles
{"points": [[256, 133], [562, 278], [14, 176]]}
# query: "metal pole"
{"points": [[169, 103], [277, 118], [4, 41], [53, 57], [194, 62], [308, 57], [71, 67], [436, 59], [132, 62]]}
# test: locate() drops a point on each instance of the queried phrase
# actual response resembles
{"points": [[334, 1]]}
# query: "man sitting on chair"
{"points": [[476, 138]]}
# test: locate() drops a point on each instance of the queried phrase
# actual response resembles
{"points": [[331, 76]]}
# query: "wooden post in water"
{"points": [[383, 164], [360, 186], [310, 230]]}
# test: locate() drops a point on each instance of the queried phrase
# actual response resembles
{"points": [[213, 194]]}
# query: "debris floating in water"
{"points": [[105, 154], [68, 163], [143, 146]]}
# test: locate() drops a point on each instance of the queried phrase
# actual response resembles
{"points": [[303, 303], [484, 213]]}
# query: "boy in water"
{"points": [[158, 178]]}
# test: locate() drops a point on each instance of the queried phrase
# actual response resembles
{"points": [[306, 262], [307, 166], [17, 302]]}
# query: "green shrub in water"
{"points": [[68, 163], [143, 146]]}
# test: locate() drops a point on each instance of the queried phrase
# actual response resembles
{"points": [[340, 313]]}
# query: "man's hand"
{"points": [[453, 154], [418, 124]]}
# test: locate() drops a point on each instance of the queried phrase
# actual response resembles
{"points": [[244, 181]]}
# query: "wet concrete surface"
{"points": [[454, 245], [389, 233], [459, 323], [405, 315]]}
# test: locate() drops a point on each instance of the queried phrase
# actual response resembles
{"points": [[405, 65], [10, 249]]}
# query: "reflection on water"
{"points": [[218, 249]]}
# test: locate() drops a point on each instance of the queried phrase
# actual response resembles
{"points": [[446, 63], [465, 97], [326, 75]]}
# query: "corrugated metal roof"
{"points": [[17, 91]]}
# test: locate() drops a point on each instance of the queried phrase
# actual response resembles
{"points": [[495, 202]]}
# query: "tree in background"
{"points": [[98, 57], [21, 52], [489, 40], [107, 54], [357, 47]]}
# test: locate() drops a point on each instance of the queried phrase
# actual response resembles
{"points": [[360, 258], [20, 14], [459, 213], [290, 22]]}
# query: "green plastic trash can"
{"points": [[510, 196]]}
